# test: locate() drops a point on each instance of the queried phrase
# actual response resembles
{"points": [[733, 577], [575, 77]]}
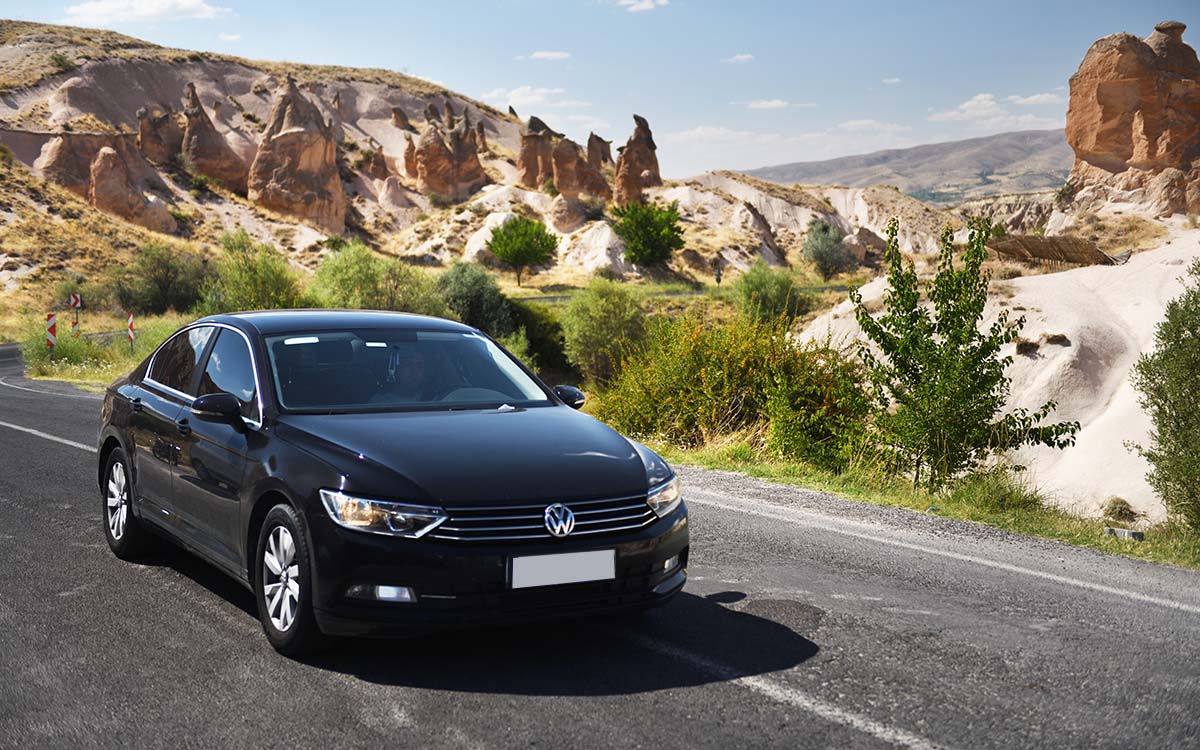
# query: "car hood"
{"points": [[474, 457]]}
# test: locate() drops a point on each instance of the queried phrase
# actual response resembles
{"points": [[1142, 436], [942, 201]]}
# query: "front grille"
{"points": [[499, 523]]}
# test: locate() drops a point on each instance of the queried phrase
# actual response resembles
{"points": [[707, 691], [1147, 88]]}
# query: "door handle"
{"points": [[183, 426], [135, 405]]}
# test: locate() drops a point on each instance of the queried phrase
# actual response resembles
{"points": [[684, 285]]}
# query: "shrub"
{"points": [[407, 289], [650, 232], [694, 381], [545, 336], [938, 382], [62, 62], [6, 155], [472, 294], [521, 242], [161, 278], [349, 277], [549, 188], [202, 185], [517, 344], [764, 293], [823, 246], [97, 295], [251, 276], [601, 325], [1166, 379]]}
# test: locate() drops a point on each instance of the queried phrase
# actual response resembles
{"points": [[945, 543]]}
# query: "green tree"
{"points": [[407, 289], [823, 246], [350, 277], [763, 292], [522, 242], [650, 232], [476, 299], [1166, 378], [161, 278], [601, 326], [937, 380], [251, 276]]}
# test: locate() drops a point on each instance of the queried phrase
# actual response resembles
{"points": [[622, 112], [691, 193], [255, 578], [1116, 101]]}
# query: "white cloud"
{"points": [[532, 96], [108, 12], [890, 81], [767, 104], [549, 55], [1035, 99], [983, 112], [226, 37], [741, 57], [873, 126], [637, 6]]}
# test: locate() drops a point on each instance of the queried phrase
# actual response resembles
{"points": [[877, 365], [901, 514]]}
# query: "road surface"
{"points": [[809, 622]]}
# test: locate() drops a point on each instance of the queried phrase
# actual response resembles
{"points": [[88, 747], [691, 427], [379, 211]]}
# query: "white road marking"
{"points": [[48, 436], [786, 695], [805, 518], [4, 382]]}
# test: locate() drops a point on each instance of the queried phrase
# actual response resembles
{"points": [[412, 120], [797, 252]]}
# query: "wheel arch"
{"points": [[106, 448]]}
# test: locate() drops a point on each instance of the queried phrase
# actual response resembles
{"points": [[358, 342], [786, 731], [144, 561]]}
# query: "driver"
{"points": [[405, 375]]}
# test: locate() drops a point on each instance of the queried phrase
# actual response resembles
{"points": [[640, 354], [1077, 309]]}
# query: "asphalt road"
{"points": [[808, 622]]}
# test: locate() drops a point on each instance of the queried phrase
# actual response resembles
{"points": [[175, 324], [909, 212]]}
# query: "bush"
{"points": [[251, 276], [1166, 378], [764, 293], [545, 335], [62, 62], [517, 344], [650, 232], [96, 295], [938, 382], [202, 185], [349, 277], [522, 242], [407, 289], [472, 294], [6, 155], [695, 381], [601, 325], [823, 246], [161, 278]]}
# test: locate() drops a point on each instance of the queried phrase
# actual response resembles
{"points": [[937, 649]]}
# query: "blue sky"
{"points": [[723, 84]]}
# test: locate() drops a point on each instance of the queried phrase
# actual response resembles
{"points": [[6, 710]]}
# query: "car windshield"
{"points": [[385, 369]]}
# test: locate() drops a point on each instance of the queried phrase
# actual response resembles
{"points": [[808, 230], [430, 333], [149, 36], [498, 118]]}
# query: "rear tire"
{"points": [[283, 583], [127, 537]]}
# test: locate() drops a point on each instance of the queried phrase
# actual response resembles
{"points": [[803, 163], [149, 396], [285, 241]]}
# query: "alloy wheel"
{"points": [[117, 501], [281, 578]]}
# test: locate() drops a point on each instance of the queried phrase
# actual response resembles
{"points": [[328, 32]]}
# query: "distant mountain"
{"points": [[949, 172]]}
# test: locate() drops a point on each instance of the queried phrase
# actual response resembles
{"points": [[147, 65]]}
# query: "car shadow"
{"points": [[692, 640]]}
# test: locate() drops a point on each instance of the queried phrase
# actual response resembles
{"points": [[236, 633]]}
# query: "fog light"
{"points": [[671, 562], [381, 593]]}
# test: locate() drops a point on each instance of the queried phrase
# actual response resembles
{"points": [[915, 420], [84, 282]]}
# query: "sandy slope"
{"points": [[1108, 315]]}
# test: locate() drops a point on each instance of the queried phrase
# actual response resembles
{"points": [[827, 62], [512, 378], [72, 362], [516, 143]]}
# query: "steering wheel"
{"points": [[442, 392]]}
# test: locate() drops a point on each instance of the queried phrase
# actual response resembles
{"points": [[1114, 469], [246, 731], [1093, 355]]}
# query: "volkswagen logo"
{"points": [[559, 519]]}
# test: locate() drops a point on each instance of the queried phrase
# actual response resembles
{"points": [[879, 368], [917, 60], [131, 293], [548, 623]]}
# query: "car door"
{"points": [[212, 455], [162, 401]]}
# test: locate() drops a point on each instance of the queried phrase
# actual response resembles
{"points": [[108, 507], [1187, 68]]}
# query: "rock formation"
{"points": [[374, 163], [433, 115], [67, 160], [1134, 121], [447, 163], [513, 112], [637, 165], [547, 155], [599, 151], [410, 156], [206, 149], [295, 171], [400, 119], [392, 195], [481, 144], [114, 189], [159, 136]]}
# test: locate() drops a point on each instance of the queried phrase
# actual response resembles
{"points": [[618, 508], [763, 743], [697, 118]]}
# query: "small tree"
{"points": [[938, 381], [251, 276], [823, 246], [1166, 378], [521, 242], [764, 293], [476, 300], [406, 289], [601, 325], [650, 232], [161, 278], [350, 276]]}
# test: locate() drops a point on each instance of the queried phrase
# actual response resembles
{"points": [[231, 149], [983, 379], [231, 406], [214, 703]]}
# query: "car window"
{"points": [[396, 368], [229, 370], [177, 360]]}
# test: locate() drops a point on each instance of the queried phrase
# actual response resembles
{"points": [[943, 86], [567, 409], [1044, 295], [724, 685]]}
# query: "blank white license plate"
{"points": [[570, 567]]}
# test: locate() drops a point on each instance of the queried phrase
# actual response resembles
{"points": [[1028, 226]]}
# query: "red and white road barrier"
{"points": [[75, 327], [75, 301], [51, 330], [129, 329]]}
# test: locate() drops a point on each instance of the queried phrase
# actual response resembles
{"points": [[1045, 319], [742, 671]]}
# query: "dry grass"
{"points": [[1117, 233]]}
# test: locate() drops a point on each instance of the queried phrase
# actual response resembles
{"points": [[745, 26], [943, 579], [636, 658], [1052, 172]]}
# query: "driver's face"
{"points": [[409, 370]]}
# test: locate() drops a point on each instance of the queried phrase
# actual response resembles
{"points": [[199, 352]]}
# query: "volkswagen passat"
{"points": [[375, 474]]}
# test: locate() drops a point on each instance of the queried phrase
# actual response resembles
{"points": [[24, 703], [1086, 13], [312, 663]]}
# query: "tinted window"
{"points": [[400, 368], [229, 370], [177, 360]]}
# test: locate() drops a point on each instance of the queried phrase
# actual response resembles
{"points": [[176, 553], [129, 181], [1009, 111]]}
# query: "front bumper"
{"points": [[467, 584]]}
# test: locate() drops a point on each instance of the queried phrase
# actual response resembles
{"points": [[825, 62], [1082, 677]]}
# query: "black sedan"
{"points": [[380, 474]]}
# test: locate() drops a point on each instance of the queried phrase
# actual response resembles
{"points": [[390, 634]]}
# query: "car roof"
{"points": [[270, 322]]}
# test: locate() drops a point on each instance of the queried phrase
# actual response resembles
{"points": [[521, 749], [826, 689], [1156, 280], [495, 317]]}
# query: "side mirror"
{"points": [[218, 407], [570, 395]]}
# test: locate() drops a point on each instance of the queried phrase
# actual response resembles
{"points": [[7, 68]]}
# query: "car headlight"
{"points": [[665, 497], [381, 516]]}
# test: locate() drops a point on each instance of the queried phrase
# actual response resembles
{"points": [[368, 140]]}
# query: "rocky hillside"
{"points": [[951, 172]]}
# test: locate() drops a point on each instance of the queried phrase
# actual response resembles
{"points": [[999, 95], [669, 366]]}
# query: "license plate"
{"points": [[570, 567]]}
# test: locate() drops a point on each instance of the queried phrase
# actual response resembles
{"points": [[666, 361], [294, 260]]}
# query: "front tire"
{"points": [[282, 583], [126, 536]]}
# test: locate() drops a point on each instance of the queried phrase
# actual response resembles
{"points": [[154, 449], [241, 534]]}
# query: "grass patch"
{"points": [[995, 499], [94, 362]]}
